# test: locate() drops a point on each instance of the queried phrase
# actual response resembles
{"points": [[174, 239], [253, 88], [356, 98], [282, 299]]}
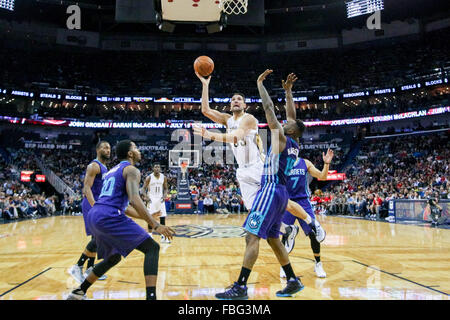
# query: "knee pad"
{"points": [[148, 245], [151, 250], [315, 245], [102, 267], [92, 246]]}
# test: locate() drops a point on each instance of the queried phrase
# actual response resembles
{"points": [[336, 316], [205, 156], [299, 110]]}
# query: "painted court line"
{"points": [[21, 284], [402, 278]]}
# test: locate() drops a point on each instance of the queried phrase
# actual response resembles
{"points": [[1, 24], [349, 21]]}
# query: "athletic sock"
{"points": [[162, 220], [85, 286], [90, 262], [243, 277], [290, 275], [308, 219], [151, 293], [82, 260], [317, 259]]}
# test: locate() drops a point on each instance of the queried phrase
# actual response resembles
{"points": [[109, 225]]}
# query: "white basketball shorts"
{"points": [[249, 179]]}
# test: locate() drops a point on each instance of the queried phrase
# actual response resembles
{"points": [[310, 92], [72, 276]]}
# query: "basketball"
{"points": [[204, 65]]}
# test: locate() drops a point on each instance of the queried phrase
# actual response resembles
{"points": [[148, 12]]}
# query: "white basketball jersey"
{"points": [[245, 151], [156, 186]]}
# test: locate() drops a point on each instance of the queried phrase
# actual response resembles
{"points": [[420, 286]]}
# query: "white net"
{"points": [[233, 6]]}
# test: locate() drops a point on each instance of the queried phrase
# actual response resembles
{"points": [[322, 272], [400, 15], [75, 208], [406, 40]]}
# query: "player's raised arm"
{"points": [[214, 115], [275, 127], [313, 171], [132, 177], [91, 172], [247, 124], [290, 105]]}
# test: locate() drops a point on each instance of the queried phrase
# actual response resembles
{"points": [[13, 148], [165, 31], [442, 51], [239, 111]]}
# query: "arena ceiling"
{"points": [[281, 16]]}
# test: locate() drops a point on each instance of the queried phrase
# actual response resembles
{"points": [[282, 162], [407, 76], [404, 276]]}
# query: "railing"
{"points": [[54, 180]]}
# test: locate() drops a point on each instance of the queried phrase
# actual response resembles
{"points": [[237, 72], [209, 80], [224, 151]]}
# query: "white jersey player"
{"points": [[156, 189], [242, 134]]}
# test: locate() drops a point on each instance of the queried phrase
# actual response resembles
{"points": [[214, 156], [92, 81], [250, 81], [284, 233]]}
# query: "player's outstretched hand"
{"points": [[328, 157], [287, 85], [165, 231], [263, 75], [205, 81]]}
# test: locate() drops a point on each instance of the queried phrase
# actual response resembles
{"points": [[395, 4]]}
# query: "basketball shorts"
{"points": [[249, 179], [156, 205], [289, 219], [264, 220], [85, 207], [114, 232]]}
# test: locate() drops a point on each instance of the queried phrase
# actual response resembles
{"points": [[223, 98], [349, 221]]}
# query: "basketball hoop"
{"points": [[183, 167], [233, 6]]}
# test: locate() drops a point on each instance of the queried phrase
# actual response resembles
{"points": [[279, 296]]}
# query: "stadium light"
{"points": [[7, 4]]}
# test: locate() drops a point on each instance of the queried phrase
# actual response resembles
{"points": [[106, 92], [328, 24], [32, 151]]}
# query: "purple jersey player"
{"points": [[297, 186], [91, 191], [264, 219], [116, 234], [298, 182]]}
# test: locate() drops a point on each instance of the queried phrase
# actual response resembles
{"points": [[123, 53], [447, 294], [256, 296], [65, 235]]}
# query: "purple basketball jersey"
{"points": [[114, 193], [96, 189]]}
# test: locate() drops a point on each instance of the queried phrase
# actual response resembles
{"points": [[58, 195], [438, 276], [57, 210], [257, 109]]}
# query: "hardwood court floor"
{"points": [[363, 260]]}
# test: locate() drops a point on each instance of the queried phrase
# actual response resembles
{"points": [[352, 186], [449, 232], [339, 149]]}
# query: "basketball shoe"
{"points": [[77, 273], [318, 269], [292, 287], [77, 294], [319, 231], [234, 292], [164, 239], [86, 273]]}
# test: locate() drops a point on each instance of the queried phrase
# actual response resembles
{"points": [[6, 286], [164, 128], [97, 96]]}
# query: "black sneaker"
{"points": [[292, 287], [285, 236], [234, 292], [77, 294]]}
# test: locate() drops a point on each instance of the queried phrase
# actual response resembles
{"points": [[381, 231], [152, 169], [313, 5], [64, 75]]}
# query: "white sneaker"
{"points": [[86, 273], [282, 273], [164, 240], [320, 232], [290, 242], [77, 273], [318, 269], [77, 294]]}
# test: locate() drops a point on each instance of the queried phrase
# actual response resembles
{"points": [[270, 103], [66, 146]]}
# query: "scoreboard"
{"points": [[7, 4], [357, 8]]}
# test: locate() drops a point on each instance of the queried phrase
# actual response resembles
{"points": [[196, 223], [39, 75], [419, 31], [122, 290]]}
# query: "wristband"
{"points": [[327, 163]]}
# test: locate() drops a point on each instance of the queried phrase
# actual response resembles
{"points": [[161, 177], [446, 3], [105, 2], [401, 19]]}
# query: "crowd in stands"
{"points": [[405, 167], [21, 200], [408, 167]]}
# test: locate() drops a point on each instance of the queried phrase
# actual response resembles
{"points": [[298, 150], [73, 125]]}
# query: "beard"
{"points": [[104, 158]]}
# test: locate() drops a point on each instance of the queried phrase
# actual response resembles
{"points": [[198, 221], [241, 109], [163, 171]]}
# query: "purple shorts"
{"points": [[264, 220], [85, 207], [114, 232], [289, 219]]}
